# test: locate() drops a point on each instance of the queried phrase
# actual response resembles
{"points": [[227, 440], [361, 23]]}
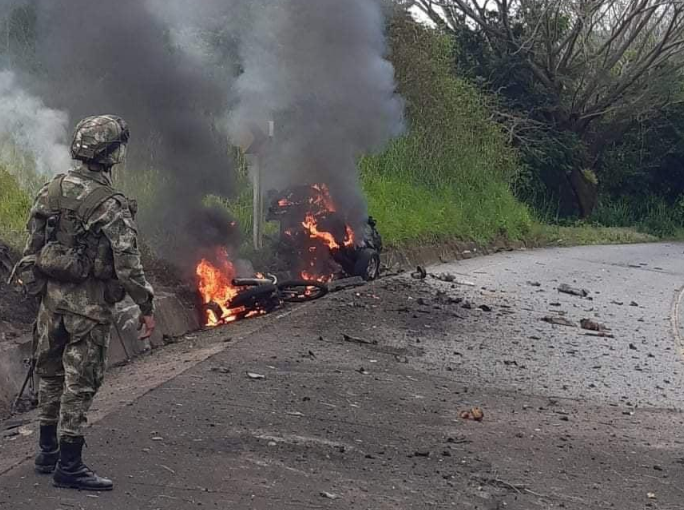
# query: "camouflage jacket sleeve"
{"points": [[36, 224], [115, 221]]}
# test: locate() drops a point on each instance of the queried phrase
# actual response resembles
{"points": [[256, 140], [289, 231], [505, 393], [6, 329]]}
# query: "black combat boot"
{"points": [[47, 458], [71, 473]]}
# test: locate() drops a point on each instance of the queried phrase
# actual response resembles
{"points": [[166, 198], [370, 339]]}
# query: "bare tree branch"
{"points": [[589, 54]]}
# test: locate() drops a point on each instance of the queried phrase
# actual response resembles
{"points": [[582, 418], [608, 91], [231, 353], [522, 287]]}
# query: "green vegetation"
{"points": [[14, 207], [591, 99], [452, 175]]}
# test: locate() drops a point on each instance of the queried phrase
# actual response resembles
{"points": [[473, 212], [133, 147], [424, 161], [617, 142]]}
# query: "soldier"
{"points": [[81, 258]]}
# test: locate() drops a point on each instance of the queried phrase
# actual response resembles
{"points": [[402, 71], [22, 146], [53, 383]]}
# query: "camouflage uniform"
{"points": [[74, 321]]}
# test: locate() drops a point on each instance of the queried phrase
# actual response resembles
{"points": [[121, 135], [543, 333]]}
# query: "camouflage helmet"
{"points": [[101, 139]]}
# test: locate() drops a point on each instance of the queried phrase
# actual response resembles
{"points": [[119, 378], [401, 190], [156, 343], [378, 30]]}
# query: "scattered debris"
{"points": [[255, 377], [167, 469], [346, 283], [221, 370], [360, 341], [651, 495], [445, 277], [363, 371], [461, 440], [600, 334], [329, 495], [559, 321], [465, 283], [475, 414], [14, 424], [573, 291], [591, 325], [419, 274]]}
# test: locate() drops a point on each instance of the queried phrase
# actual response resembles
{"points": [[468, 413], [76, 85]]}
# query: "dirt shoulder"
{"points": [[17, 312]]}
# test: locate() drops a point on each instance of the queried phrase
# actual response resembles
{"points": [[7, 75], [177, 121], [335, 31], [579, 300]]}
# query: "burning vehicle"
{"points": [[315, 239], [316, 244], [227, 298]]}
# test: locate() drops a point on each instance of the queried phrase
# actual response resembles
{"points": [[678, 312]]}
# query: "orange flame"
{"points": [[214, 283], [316, 278], [311, 225]]}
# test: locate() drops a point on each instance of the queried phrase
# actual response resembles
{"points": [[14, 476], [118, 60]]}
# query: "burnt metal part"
{"points": [[300, 291], [255, 297], [252, 282], [290, 207]]}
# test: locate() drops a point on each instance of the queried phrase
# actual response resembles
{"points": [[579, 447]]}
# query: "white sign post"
{"points": [[254, 141]]}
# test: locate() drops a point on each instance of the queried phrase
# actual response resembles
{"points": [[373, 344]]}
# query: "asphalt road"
{"points": [[570, 420]]}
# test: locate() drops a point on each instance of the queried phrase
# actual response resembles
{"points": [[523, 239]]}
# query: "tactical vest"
{"points": [[72, 253]]}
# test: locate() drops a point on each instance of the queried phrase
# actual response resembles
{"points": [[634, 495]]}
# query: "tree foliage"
{"points": [[593, 68]]}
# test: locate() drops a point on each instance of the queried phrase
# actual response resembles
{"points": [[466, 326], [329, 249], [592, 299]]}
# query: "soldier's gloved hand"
{"points": [[147, 325]]}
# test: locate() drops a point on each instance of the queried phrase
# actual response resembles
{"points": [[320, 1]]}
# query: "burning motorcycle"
{"points": [[315, 239]]}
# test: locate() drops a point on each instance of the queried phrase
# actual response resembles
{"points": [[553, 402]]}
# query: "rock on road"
{"points": [[573, 419]]}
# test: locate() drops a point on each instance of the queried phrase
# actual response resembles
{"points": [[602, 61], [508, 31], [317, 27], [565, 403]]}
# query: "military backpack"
{"points": [[72, 253]]}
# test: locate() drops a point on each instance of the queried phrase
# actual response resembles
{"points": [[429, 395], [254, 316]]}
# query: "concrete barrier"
{"points": [[13, 369]]}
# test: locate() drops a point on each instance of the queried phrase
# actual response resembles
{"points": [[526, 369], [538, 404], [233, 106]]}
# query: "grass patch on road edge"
{"points": [[542, 235]]}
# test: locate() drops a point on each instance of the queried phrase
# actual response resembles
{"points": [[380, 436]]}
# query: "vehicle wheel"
{"points": [[300, 291], [251, 297], [368, 265]]}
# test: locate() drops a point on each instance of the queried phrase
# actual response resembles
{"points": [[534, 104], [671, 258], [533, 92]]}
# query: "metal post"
{"points": [[257, 201]]}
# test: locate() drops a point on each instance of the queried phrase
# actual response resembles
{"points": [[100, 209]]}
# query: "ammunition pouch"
{"points": [[64, 264], [114, 292], [28, 277]]}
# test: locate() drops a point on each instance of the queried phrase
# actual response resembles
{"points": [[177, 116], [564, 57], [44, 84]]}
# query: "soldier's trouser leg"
{"points": [[84, 362], [52, 340], [84, 365]]}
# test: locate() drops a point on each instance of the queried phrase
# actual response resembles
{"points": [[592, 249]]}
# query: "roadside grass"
{"points": [[408, 212], [542, 235], [14, 208], [651, 215]]}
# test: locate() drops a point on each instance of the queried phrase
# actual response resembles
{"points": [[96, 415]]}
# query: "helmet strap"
{"points": [[97, 167]]}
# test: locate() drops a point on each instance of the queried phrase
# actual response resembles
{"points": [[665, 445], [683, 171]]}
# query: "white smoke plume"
{"points": [[29, 130]]}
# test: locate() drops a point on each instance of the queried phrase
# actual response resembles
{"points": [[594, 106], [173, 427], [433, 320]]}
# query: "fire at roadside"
{"points": [[317, 246]]}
